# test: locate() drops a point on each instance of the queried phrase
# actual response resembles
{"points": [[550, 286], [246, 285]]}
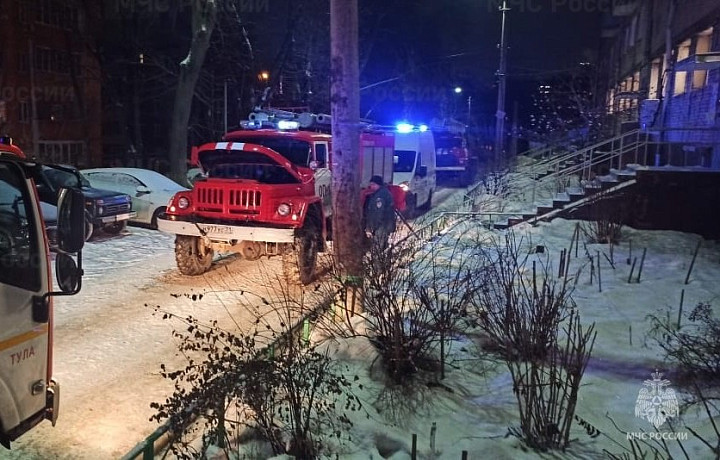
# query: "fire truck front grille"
{"points": [[245, 199], [232, 201]]}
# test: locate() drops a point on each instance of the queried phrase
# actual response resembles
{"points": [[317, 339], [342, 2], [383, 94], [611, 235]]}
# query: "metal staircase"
{"points": [[552, 186]]}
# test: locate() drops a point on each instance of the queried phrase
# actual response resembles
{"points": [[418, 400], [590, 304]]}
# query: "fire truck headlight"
{"points": [[283, 209], [405, 186], [183, 203]]}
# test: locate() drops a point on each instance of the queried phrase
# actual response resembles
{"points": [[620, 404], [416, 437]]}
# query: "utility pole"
{"points": [[501, 73], [345, 108]]}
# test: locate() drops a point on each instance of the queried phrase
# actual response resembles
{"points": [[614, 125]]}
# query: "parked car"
{"points": [[150, 190], [105, 209]]}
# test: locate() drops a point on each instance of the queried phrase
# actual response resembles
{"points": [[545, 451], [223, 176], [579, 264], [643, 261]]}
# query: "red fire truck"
{"points": [[28, 393], [265, 191], [454, 162]]}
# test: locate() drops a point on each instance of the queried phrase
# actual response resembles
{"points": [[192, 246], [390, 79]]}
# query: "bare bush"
{"points": [[414, 297], [293, 396], [531, 320], [694, 348], [605, 219]]}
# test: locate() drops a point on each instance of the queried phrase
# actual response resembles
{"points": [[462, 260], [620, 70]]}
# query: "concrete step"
{"points": [[575, 193], [608, 181], [544, 206], [560, 200], [623, 174]]}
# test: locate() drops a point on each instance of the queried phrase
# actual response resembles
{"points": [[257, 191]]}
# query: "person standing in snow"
{"points": [[379, 213]]}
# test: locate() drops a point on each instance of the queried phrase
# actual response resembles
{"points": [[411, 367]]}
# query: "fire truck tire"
{"points": [[305, 254], [191, 256]]}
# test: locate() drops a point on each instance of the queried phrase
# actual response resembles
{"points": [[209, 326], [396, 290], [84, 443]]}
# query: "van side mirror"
{"points": [[421, 171], [71, 220]]}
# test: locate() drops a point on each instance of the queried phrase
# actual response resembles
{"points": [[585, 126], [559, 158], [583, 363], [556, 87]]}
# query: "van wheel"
{"points": [[192, 256], [410, 206], [428, 203], [115, 228]]}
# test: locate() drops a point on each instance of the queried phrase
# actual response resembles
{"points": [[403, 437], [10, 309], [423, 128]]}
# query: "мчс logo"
{"points": [[656, 402]]}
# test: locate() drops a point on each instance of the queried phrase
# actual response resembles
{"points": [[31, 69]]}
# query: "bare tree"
{"points": [[204, 17]]}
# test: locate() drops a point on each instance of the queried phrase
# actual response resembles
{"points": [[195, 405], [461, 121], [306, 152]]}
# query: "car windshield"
{"points": [[298, 152], [405, 160], [220, 164], [63, 178]]}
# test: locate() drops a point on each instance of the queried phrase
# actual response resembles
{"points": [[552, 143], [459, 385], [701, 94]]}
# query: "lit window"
{"points": [[702, 46], [681, 77]]}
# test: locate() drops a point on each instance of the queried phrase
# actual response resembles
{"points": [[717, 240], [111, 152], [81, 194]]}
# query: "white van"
{"points": [[414, 166]]}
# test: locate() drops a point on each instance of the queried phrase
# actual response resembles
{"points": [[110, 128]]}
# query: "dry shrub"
{"points": [[531, 320]]}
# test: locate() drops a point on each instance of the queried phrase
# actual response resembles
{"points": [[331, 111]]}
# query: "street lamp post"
{"points": [[500, 115]]}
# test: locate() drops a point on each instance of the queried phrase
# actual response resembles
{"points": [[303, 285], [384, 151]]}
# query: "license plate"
{"points": [[217, 229]]}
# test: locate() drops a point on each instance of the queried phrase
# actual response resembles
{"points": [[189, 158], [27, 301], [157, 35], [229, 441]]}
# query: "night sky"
{"points": [[427, 47]]}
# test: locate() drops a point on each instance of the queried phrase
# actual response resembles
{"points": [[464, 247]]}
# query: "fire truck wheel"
{"points": [[251, 250], [191, 256], [306, 250]]}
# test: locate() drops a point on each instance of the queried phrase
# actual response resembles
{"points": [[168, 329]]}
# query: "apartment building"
{"points": [[662, 59], [50, 83]]}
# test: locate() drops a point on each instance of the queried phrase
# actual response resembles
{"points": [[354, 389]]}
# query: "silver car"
{"points": [[150, 191]]}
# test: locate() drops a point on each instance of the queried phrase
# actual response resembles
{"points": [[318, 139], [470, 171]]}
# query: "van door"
{"points": [[24, 276]]}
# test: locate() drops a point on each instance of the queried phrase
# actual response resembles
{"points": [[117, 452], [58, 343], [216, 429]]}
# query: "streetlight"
{"points": [[501, 73], [458, 90], [264, 76]]}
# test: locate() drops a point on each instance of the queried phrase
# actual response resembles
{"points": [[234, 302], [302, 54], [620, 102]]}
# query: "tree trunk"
{"points": [[345, 104], [204, 15]]}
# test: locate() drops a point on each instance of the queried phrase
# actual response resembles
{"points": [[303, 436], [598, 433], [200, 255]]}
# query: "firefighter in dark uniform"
{"points": [[379, 213]]}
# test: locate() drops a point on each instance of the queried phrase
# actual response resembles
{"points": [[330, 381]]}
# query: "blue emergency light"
{"points": [[287, 124], [404, 127]]}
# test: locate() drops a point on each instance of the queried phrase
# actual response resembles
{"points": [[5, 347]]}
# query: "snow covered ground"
{"points": [[109, 347], [475, 416]]}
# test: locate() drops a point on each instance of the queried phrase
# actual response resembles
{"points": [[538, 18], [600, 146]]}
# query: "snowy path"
{"points": [[109, 345]]}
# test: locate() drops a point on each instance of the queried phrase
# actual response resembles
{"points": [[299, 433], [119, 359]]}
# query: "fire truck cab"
{"points": [[264, 191], [28, 393]]}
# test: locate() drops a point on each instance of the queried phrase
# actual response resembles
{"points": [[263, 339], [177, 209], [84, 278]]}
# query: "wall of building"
{"points": [[49, 82]]}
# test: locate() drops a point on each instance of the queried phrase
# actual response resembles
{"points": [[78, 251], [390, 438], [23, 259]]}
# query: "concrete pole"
{"points": [[345, 106], [502, 74]]}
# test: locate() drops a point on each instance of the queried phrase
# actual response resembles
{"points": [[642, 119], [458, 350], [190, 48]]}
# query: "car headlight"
{"points": [[183, 203], [283, 209], [405, 186]]}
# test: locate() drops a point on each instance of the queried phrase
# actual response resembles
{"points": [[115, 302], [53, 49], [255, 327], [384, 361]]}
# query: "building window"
{"points": [[23, 12], [64, 152], [54, 13], [702, 45], [653, 92], [24, 112], [681, 77], [23, 62], [57, 61]]}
